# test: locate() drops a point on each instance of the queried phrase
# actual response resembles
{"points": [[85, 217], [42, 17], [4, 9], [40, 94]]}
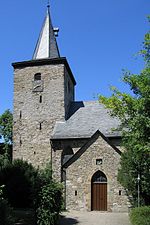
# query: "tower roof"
{"points": [[46, 46]]}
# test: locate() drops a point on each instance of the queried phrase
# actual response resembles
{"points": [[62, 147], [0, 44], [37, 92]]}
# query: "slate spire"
{"points": [[46, 46]]}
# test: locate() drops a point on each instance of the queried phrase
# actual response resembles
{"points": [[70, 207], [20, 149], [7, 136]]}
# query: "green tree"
{"points": [[6, 122], [134, 114], [6, 126]]}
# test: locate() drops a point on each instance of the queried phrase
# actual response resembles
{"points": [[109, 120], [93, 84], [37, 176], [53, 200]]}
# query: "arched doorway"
{"points": [[99, 192]]}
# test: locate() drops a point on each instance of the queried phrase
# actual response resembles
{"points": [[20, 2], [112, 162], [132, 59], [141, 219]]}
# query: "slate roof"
{"points": [[85, 119]]}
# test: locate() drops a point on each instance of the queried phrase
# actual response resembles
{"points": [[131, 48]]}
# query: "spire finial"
{"points": [[48, 3]]}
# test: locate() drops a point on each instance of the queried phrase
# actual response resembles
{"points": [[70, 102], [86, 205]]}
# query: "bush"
{"points": [[140, 216], [45, 174], [4, 161], [26, 186], [20, 179], [49, 200], [49, 204], [5, 211]]}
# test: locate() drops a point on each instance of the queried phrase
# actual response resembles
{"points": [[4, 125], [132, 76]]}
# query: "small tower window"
{"points": [[20, 114], [40, 126], [37, 76], [20, 141], [40, 98]]}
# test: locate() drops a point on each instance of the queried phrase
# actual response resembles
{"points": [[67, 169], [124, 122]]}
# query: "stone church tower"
{"points": [[43, 91]]}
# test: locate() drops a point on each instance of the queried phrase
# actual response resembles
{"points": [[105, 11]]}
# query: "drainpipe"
{"points": [[51, 157]]}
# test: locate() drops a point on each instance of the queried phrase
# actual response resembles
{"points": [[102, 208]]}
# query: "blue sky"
{"points": [[98, 38]]}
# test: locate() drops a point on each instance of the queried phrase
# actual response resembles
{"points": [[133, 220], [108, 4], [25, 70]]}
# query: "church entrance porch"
{"points": [[91, 179], [99, 192]]}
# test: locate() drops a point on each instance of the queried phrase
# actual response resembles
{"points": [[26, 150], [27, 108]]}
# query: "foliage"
{"points": [[134, 162], [20, 179], [45, 174], [26, 186], [6, 123], [49, 200], [50, 203], [5, 210], [6, 127], [140, 216], [4, 161], [134, 114]]}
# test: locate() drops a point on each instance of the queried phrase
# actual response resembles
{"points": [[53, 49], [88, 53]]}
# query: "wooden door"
{"points": [[99, 196]]}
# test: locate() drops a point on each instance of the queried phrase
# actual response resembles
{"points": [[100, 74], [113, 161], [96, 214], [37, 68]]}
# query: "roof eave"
{"points": [[85, 137], [45, 61]]}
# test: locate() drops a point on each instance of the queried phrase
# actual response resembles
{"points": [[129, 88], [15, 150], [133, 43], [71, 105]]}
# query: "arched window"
{"points": [[99, 177], [37, 76]]}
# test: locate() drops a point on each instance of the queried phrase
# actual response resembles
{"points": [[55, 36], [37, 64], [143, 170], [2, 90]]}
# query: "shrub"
{"points": [[19, 178], [26, 186], [4, 161], [140, 216], [5, 211], [46, 174], [49, 200], [49, 204]]}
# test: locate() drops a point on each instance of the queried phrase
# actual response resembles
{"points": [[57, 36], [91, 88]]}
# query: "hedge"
{"points": [[140, 216]]}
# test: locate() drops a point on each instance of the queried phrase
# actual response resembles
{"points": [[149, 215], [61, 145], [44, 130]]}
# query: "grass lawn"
{"points": [[24, 217]]}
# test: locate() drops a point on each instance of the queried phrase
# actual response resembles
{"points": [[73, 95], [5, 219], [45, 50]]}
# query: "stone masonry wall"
{"points": [[58, 147], [35, 113], [80, 172]]}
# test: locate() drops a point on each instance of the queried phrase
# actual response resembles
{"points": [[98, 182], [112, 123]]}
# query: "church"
{"points": [[78, 138]]}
